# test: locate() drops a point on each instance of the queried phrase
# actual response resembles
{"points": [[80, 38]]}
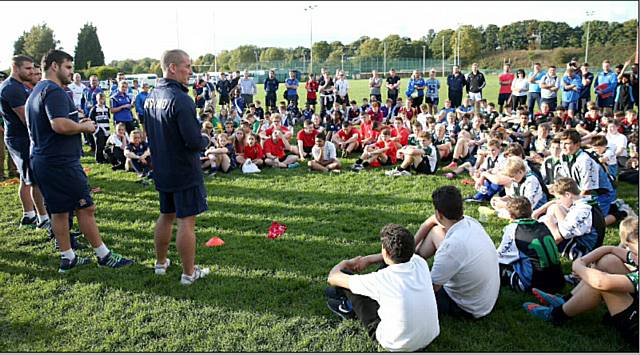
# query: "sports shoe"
{"points": [[450, 176], [547, 299], [391, 172], [405, 173], [66, 265], [451, 166], [114, 261], [344, 154], [341, 307], [293, 165], [161, 269], [28, 221], [571, 279], [537, 310], [335, 293], [357, 167], [46, 224], [198, 273], [628, 210], [473, 199]]}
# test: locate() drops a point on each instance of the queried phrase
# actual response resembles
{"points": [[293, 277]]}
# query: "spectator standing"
{"points": [[312, 91], [121, 107], [475, 83], [605, 88], [504, 95], [432, 95], [415, 89], [549, 86], [292, 89], [571, 85], [224, 88], [533, 95], [140, 99], [271, 85], [209, 93], [342, 89], [327, 92], [585, 92], [375, 83], [393, 85], [90, 94], [175, 140], [456, 83], [198, 92], [519, 89]]}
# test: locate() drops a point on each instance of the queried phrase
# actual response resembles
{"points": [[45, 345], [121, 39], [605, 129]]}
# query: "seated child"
{"points": [[608, 274], [306, 140], [382, 152], [528, 255], [606, 154], [253, 150], [223, 155], [486, 161], [551, 166], [238, 141], [522, 183], [138, 155], [274, 152], [116, 144], [399, 133], [324, 156], [423, 158], [347, 139]]}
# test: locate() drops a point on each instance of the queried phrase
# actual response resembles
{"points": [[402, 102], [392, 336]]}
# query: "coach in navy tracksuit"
{"points": [[175, 142], [456, 83]]}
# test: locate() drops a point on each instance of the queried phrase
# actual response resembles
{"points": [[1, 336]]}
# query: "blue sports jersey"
{"points": [[47, 102], [292, 82], [124, 115], [433, 86], [571, 95], [535, 87], [13, 94]]}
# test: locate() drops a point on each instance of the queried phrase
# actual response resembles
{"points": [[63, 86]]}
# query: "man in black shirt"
{"points": [[393, 83], [223, 88], [585, 92], [271, 89], [456, 82], [475, 83]]}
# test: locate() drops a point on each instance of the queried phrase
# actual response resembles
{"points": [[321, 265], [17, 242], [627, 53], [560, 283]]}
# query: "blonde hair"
{"points": [[513, 166], [629, 230], [134, 133], [564, 185]]}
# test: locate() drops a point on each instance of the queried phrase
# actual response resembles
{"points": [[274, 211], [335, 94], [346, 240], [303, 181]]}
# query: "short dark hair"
{"points": [[519, 207], [321, 136], [55, 55], [19, 60], [398, 242], [572, 135], [448, 201]]}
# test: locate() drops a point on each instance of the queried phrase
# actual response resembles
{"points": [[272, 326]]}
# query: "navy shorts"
{"points": [[64, 188], [571, 106], [432, 100], [185, 203], [503, 98], [19, 152], [608, 102]]}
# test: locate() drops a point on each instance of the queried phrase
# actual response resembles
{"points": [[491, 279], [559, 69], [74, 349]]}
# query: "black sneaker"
{"points": [[29, 222], [73, 239], [342, 308], [114, 261], [473, 199], [66, 265], [44, 225], [335, 293]]}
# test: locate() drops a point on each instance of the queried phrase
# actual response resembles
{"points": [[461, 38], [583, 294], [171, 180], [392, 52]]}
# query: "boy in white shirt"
{"points": [[396, 304], [324, 156]]}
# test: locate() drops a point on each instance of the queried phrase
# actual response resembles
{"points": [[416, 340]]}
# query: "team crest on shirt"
{"points": [[82, 202]]}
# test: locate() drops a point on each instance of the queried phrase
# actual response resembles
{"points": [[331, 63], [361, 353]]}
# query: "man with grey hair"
{"points": [[175, 142], [248, 88]]}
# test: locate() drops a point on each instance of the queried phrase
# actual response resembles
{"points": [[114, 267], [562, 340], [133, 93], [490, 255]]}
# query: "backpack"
{"points": [[595, 157]]}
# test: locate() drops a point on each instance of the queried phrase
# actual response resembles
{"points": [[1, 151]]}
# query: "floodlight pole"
{"points": [[310, 9], [384, 58], [586, 49], [424, 51], [443, 56]]}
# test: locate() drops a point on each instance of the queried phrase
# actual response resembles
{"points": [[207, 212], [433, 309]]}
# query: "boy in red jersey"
{"points": [[384, 152]]}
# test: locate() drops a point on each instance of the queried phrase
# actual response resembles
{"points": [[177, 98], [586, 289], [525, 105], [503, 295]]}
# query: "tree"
{"points": [[513, 36], [272, 54], [490, 38], [436, 44], [321, 51], [397, 47], [37, 42], [370, 48], [88, 49], [18, 45], [470, 42], [243, 56]]}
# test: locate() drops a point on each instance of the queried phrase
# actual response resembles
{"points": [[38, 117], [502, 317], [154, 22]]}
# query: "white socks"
{"points": [[43, 218], [29, 214], [68, 254], [101, 251]]}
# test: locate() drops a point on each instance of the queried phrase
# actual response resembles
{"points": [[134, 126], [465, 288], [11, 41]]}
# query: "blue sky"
{"points": [[136, 29]]}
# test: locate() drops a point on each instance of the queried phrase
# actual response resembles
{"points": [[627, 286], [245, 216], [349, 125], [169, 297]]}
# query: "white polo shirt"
{"points": [[408, 311], [466, 264]]}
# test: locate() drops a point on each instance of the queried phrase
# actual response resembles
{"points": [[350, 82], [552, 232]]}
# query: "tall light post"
{"points": [[586, 48], [458, 43], [310, 10], [424, 51]]}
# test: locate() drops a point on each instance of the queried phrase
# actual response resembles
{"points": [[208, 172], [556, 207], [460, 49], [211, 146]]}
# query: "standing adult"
{"points": [[140, 99], [121, 106], [90, 94], [248, 88], [571, 85], [175, 142], [78, 91], [13, 96], [209, 93], [292, 89], [198, 92], [475, 83], [271, 85], [432, 95], [54, 132], [549, 86], [375, 83], [224, 88], [634, 83], [456, 83], [415, 89], [519, 89], [505, 79], [585, 92], [327, 95], [605, 87], [533, 96], [393, 85], [342, 89]]}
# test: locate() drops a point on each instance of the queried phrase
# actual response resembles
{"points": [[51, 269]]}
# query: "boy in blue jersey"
{"points": [[528, 254], [54, 131], [121, 106], [432, 96], [292, 89], [605, 87], [571, 86]]}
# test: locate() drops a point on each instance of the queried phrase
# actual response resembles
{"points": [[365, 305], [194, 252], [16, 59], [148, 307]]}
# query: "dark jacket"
{"points": [[174, 137], [456, 83], [475, 82]]}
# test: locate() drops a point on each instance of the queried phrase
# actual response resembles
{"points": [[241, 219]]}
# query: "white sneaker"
{"points": [[391, 172], [198, 273], [405, 173], [626, 208], [161, 269]]}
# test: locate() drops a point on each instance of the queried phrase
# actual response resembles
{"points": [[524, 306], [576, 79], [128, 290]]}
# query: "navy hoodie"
{"points": [[174, 137]]}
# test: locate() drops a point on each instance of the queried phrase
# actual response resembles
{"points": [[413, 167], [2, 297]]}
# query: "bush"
{"points": [[105, 72]]}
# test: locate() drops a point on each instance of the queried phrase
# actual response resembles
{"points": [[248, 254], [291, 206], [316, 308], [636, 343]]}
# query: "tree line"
{"points": [[474, 43]]}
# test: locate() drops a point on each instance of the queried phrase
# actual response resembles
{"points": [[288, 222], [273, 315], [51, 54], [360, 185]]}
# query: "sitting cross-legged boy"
{"points": [[324, 156], [347, 139], [396, 304], [306, 140], [138, 155], [223, 155], [528, 254], [274, 152], [486, 160], [383, 152], [116, 144], [522, 183], [609, 274], [570, 219], [423, 158]]}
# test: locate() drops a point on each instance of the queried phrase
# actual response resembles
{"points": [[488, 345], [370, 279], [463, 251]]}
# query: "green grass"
{"points": [[263, 295]]}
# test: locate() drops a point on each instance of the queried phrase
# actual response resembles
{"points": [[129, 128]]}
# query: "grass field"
{"points": [[263, 295]]}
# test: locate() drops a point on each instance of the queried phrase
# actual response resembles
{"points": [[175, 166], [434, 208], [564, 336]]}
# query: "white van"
{"points": [[150, 79]]}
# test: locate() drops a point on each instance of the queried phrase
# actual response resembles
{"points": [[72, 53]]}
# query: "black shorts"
{"points": [[282, 158], [431, 101], [19, 153], [423, 168], [185, 203], [341, 101], [307, 149], [626, 322], [64, 188], [312, 102], [224, 100], [503, 98], [448, 306]]}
